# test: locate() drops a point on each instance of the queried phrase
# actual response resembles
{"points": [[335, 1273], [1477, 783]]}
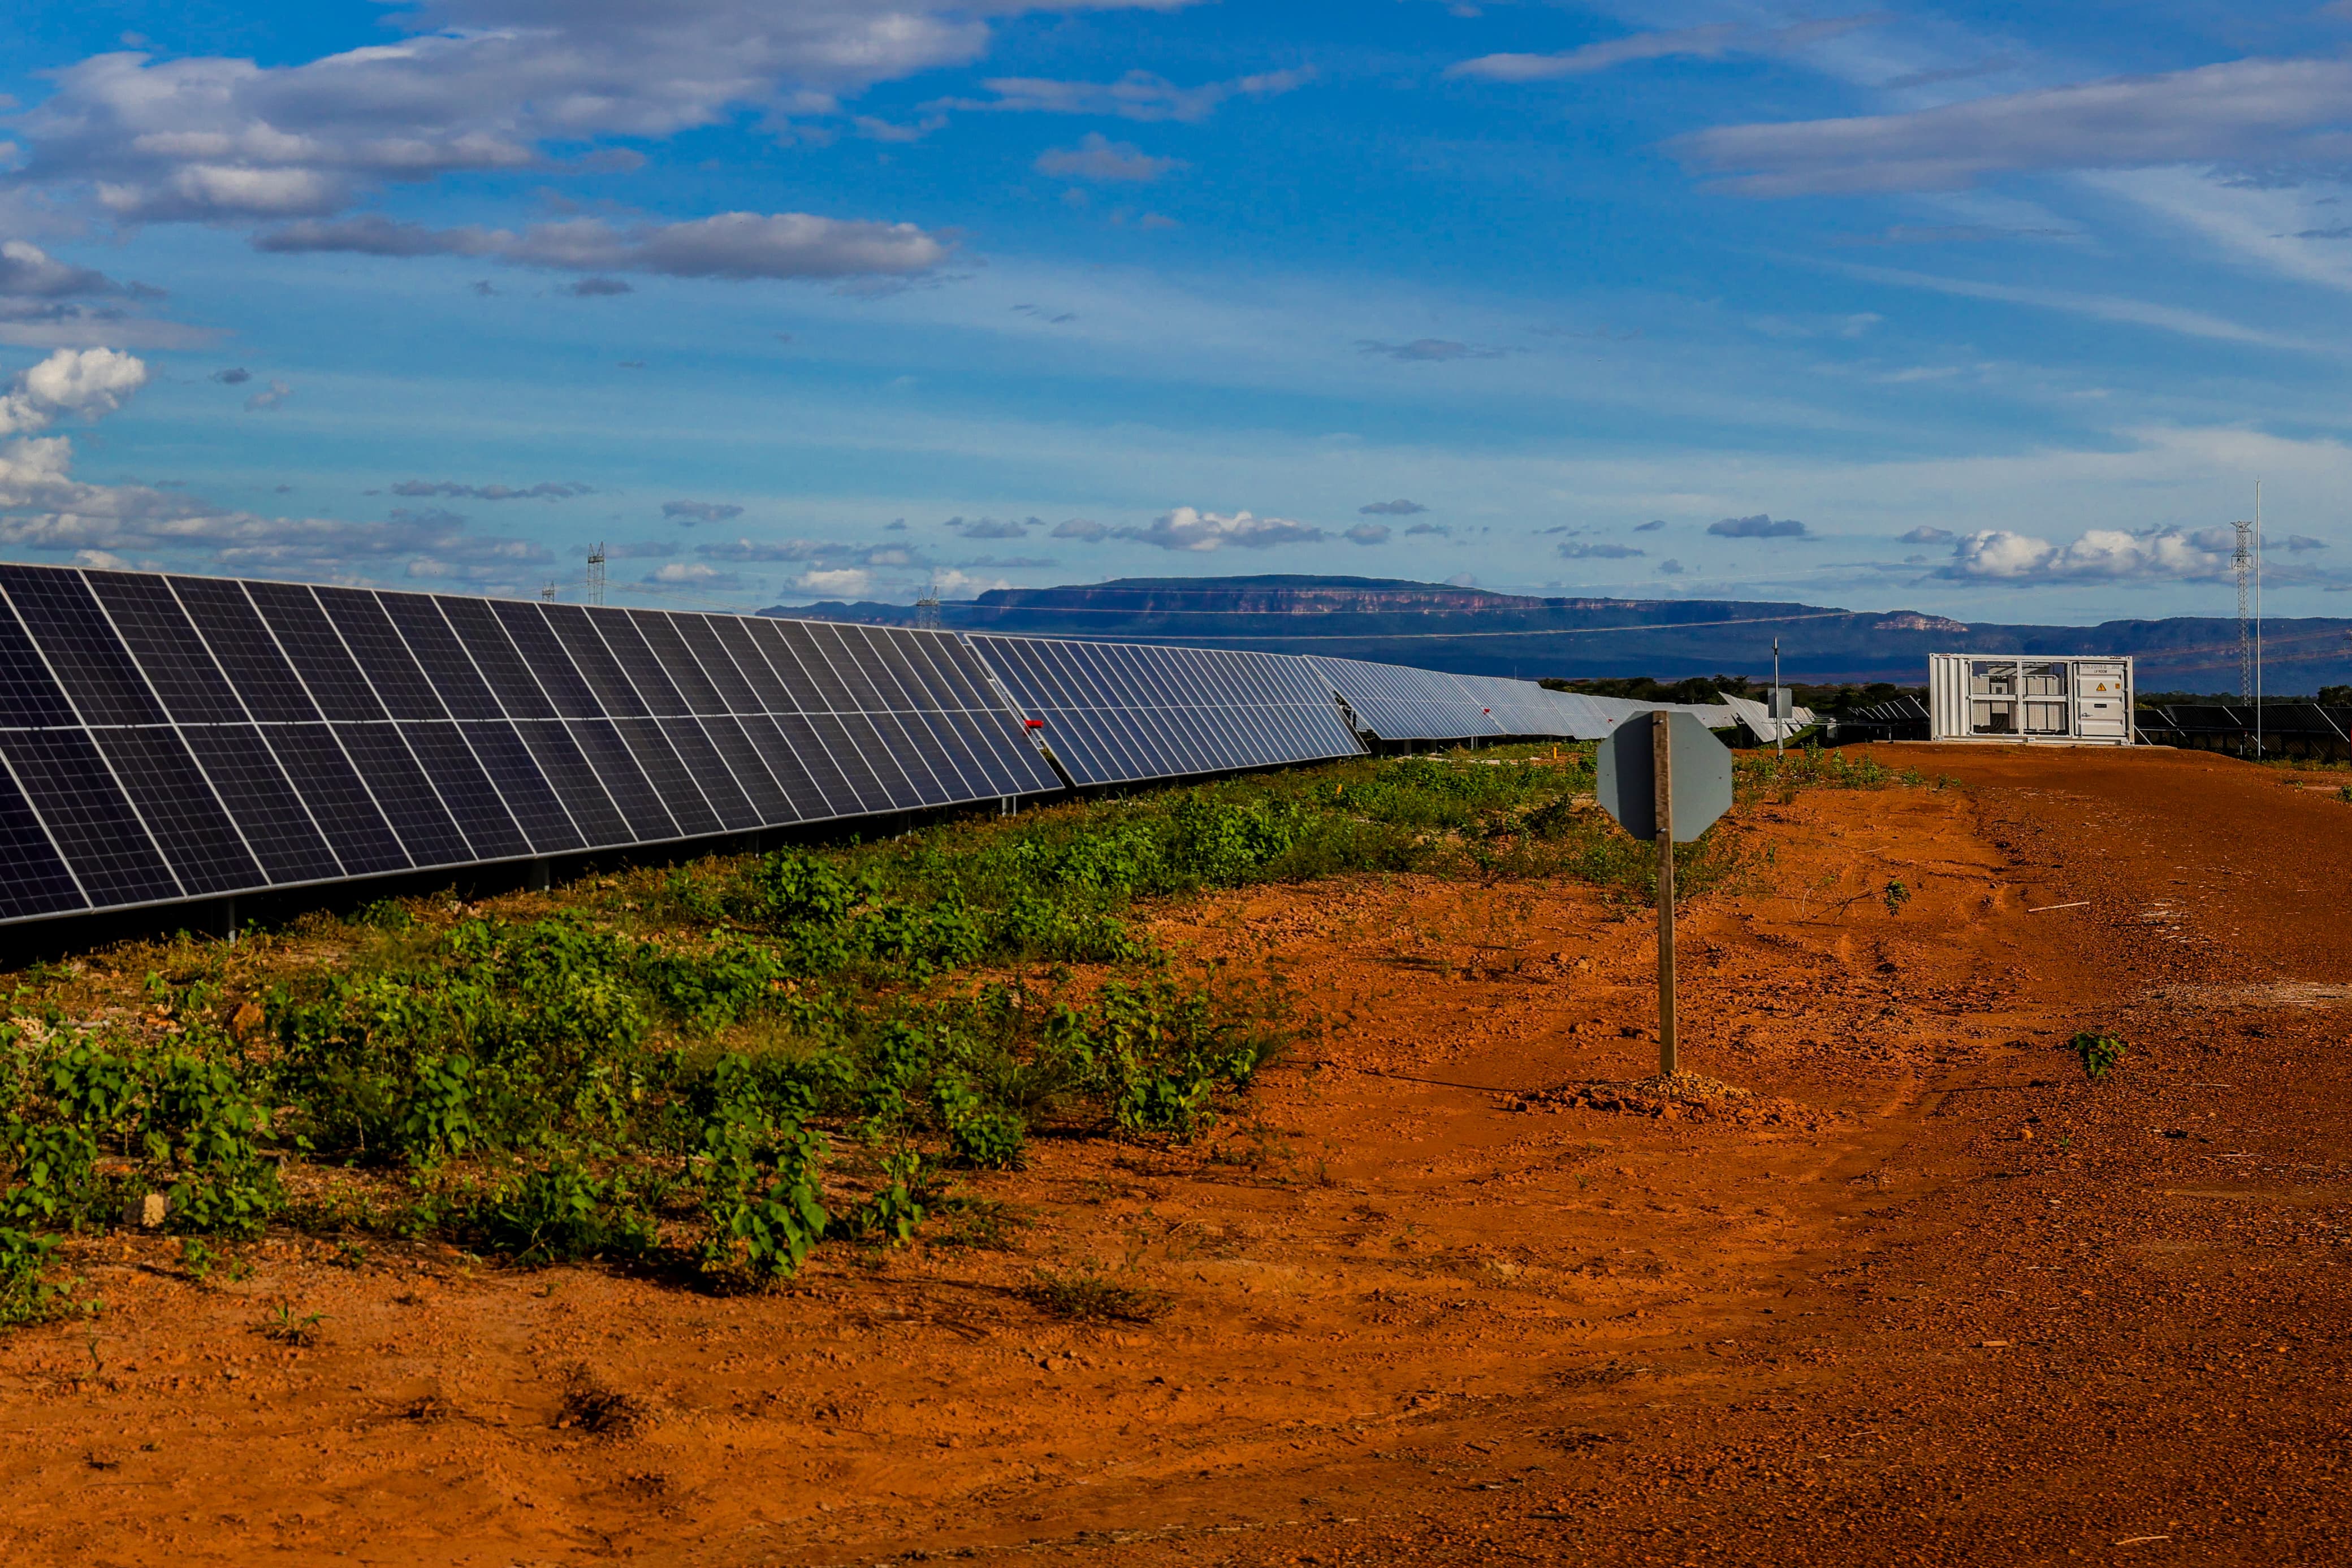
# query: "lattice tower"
{"points": [[596, 577], [2243, 559]]}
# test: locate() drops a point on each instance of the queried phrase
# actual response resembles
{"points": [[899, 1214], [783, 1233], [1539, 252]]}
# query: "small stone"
{"points": [[145, 1212]]}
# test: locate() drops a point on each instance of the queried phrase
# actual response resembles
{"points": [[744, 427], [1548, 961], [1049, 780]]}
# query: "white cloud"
{"points": [[693, 574], [1186, 529], [269, 397], [1137, 96], [685, 514], [1391, 508], [1099, 159], [1368, 534], [2267, 111], [842, 582], [84, 383], [949, 583], [2100, 554], [28, 271], [1084, 529], [1713, 42], [1925, 535], [733, 246]]}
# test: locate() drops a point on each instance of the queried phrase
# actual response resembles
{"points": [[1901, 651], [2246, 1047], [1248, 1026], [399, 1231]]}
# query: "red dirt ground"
{"points": [[1930, 1297]]}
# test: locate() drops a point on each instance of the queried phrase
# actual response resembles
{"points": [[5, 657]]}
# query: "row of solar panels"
{"points": [[2282, 719], [169, 738]]}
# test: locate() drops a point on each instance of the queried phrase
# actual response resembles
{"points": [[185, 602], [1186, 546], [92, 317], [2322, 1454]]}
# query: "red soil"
{"points": [[1435, 1306]]}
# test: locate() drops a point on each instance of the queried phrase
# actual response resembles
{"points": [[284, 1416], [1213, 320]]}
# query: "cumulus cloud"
{"points": [[1670, 568], [269, 397], [1582, 549], [43, 509], [488, 85], [1084, 529], [1187, 528], [1438, 528], [1391, 508], [237, 376], [1652, 526], [1138, 96], [809, 552], [547, 490], [1368, 534], [72, 383], [1924, 535], [599, 287], [950, 583], [692, 574], [685, 514], [2099, 555], [27, 272], [731, 245], [2300, 543], [1098, 159], [992, 527], [1714, 42], [1428, 349], [845, 583], [1759, 527], [2263, 112]]}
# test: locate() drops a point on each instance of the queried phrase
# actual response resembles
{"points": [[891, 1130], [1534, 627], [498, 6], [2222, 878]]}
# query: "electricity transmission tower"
{"points": [[596, 576], [2243, 559], [927, 609]]}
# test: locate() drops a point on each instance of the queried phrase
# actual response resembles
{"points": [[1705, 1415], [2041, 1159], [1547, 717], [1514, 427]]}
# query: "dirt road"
{"points": [[1927, 1296]]}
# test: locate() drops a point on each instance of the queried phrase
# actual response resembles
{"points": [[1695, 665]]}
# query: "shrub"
{"points": [[2099, 1053], [560, 1211]]}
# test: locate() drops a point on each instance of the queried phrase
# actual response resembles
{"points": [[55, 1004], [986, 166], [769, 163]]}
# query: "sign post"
{"points": [[1664, 777], [1662, 747]]}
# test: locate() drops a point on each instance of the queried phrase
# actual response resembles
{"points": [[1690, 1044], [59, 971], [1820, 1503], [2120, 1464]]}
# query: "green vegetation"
{"points": [[714, 1069], [2100, 1052]]}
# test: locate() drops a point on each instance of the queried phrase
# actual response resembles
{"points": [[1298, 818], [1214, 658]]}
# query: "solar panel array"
{"points": [[169, 738], [1117, 713], [165, 738]]}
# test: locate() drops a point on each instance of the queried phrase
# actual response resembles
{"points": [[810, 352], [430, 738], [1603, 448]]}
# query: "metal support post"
{"points": [[1663, 754], [538, 878]]}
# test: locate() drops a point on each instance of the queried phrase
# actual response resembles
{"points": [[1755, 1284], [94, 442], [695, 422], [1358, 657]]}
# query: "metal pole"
{"points": [[2258, 620], [1662, 767], [1780, 730]]}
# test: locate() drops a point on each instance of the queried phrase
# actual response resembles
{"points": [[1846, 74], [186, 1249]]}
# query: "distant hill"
{"points": [[1472, 630]]}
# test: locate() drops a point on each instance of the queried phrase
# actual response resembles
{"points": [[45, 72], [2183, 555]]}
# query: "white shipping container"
{"points": [[2067, 700]]}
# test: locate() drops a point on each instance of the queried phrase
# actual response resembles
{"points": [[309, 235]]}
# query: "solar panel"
{"points": [[1118, 712], [176, 737]]}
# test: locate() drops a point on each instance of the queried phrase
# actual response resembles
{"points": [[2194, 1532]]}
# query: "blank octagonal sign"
{"points": [[1625, 776]]}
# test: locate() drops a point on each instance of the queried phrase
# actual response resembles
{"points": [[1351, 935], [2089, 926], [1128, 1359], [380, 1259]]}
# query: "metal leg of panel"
{"points": [[220, 919], [540, 876]]}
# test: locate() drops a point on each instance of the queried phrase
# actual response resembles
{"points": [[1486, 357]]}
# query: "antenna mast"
{"points": [[2242, 559], [597, 578], [927, 609]]}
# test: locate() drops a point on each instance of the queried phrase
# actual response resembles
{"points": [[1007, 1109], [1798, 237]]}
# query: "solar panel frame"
{"points": [[615, 762], [91, 821], [243, 647], [340, 801], [316, 651], [468, 656], [30, 697], [86, 656], [665, 637], [277, 824], [393, 673], [39, 883]]}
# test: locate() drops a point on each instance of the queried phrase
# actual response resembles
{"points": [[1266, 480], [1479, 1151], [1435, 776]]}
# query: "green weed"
{"points": [[2099, 1051]]}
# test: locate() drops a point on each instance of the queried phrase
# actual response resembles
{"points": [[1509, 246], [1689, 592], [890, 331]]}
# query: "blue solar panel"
{"points": [[178, 737]]}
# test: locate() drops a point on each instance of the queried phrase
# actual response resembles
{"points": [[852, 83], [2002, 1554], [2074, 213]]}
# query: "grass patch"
{"points": [[713, 1070], [1083, 1295]]}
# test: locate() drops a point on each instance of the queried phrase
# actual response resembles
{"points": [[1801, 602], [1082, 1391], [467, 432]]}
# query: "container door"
{"points": [[2102, 703]]}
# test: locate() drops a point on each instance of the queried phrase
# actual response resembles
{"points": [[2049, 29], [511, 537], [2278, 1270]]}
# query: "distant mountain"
{"points": [[1472, 630]]}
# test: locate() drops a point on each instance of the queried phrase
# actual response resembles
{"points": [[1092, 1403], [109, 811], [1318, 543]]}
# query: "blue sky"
{"points": [[1997, 311]]}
